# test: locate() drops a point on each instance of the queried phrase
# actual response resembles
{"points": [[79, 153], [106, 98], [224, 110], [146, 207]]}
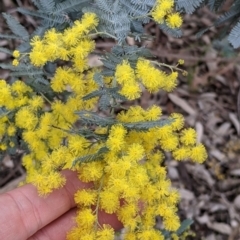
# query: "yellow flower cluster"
{"points": [[130, 171], [125, 76], [43, 130], [128, 179], [145, 74], [72, 44], [46, 131], [16, 55], [164, 12]]}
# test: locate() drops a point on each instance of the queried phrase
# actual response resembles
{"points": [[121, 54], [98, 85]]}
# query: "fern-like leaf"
{"points": [[105, 102], [144, 3], [114, 92], [91, 157], [5, 36], [107, 72], [3, 112], [144, 126], [92, 118], [36, 83], [16, 27], [137, 26], [24, 47], [215, 5], [96, 93], [47, 5], [113, 19], [21, 67], [7, 66], [172, 32], [5, 50], [234, 36], [189, 6], [69, 6], [42, 81], [98, 79], [233, 13], [39, 31], [36, 3], [106, 5], [109, 64], [137, 9], [51, 20], [24, 73]]}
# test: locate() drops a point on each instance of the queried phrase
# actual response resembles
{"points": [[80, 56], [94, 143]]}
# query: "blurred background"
{"points": [[207, 97]]}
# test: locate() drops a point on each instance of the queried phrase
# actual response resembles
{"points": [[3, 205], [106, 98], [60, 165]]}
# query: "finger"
{"points": [[58, 229], [24, 212], [111, 219]]}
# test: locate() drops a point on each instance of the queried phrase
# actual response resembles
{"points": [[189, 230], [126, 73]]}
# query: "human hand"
{"points": [[26, 215]]}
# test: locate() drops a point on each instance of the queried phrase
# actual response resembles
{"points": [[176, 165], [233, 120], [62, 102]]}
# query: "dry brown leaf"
{"points": [[199, 130], [235, 121], [186, 194], [182, 104], [200, 172], [236, 202], [212, 65], [235, 172], [223, 129], [218, 155], [173, 173], [220, 227], [94, 61], [204, 219], [7, 161]]}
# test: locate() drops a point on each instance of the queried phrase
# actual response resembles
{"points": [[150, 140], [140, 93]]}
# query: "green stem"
{"points": [[168, 66], [105, 33], [98, 202], [46, 98], [23, 55]]}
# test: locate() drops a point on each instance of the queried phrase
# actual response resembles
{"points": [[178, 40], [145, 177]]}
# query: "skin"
{"points": [[26, 215]]}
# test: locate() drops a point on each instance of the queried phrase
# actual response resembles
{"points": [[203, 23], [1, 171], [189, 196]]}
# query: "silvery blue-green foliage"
{"points": [[137, 9], [5, 50], [91, 157], [17, 29], [113, 19], [110, 96], [122, 17], [224, 48], [215, 5], [232, 16], [55, 13], [120, 53], [188, 6], [234, 36], [170, 31], [184, 226], [93, 119], [118, 18], [47, 5]]}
